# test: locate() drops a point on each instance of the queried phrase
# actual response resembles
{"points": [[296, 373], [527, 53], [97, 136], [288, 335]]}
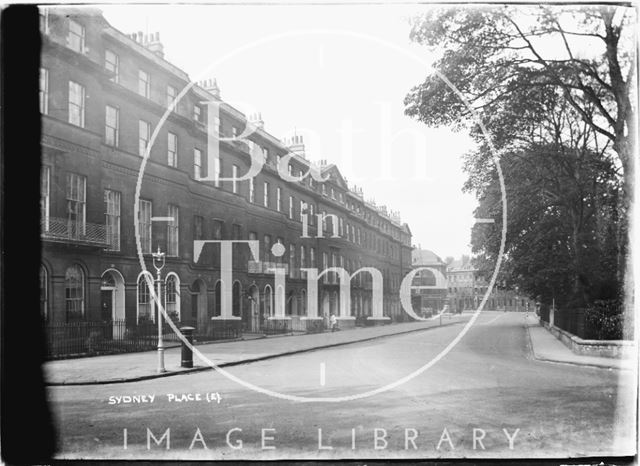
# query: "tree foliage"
{"points": [[489, 54], [553, 86]]}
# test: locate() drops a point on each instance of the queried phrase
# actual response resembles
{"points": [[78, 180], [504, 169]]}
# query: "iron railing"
{"points": [[73, 339], [300, 325], [543, 312], [68, 339], [275, 327], [218, 330], [65, 230], [601, 321], [572, 321]]}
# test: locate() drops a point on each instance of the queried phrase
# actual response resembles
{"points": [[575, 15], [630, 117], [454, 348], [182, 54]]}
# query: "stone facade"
{"points": [[99, 90]]}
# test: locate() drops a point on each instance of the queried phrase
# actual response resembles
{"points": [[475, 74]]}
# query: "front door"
{"points": [[107, 305], [247, 312], [194, 307], [106, 311], [255, 324], [202, 317]]}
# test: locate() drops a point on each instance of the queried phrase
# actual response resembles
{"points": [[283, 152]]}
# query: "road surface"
{"points": [[485, 398]]}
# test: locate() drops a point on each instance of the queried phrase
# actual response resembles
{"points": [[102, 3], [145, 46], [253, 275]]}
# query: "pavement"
{"points": [[133, 367], [362, 401], [546, 347]]}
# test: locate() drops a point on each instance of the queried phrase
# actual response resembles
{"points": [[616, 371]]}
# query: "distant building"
{"points": [[467, 289], [464, 285], [429, 289]]}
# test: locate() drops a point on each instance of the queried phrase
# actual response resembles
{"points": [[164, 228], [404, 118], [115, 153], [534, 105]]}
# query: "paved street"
{"points": [[137, 366], [488, 382]]}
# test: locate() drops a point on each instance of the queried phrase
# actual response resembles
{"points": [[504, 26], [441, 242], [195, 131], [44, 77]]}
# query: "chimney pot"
{"points": [[153, 44], [211, 85]]}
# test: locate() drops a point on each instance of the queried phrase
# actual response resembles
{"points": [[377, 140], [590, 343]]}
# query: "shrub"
{"points": [[604, 320]]}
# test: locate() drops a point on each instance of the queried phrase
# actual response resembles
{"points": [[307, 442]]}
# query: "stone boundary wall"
{"points": [[602, 348]]}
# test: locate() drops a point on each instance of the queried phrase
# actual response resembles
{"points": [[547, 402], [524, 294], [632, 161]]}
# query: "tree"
{"points": [[552, 85], [487, 49], [562, 198], [586, 53], [558, 245]]}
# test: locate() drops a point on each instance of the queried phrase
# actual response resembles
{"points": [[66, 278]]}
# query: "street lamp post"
{"points": [[158, 264]]}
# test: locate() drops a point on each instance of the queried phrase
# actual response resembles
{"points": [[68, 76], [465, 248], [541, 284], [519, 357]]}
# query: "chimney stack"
{"points": [[152, 42], [256, 120], [296, 145], [211, 85]]}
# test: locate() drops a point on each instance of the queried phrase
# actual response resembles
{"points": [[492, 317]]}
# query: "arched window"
{"points": [[217, 311], [74, 293], [303, 302], [172, 297], [268, 301], [146, 305], [289, 302], [237, 294], [44, 293]]}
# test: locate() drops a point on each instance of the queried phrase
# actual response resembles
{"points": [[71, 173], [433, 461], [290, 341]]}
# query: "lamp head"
{"points": [[158, 259]]}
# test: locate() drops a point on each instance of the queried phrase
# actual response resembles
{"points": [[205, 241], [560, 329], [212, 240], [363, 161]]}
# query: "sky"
{"points": [[337, 75]]}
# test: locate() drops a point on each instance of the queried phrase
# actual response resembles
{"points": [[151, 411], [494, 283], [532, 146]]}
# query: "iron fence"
{"points": [[75, 339], [543, 312], [571, 320], [300, 325], [218, 330], [69, 339], [275, 327], [361, 321], [315, 326], [589, 323]]}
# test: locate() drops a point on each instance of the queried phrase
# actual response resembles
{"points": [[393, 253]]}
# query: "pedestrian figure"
{"points": [[334, 323]]}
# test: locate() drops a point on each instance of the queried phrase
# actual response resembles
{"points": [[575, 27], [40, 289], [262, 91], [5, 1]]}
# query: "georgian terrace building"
{"points": [[102, 93], [467, 288]]}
